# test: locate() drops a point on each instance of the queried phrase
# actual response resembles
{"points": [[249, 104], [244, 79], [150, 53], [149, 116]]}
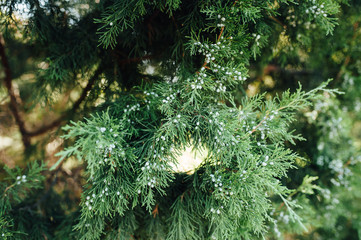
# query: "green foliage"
{"points": [[246, 155], [163, 76], [19, 187], [122, 15]]}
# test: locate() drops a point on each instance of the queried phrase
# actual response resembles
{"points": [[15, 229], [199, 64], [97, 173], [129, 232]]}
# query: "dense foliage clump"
{"points": [[135, 83]]}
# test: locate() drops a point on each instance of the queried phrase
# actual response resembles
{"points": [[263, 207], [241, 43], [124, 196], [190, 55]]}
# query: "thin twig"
{"points": [[155, 211]]}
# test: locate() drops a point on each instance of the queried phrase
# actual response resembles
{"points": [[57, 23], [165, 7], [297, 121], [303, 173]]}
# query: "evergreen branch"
{"points": [[260, 123], [296, 101], [290, 205], [19, 189], [219, 37], [7, 189]]}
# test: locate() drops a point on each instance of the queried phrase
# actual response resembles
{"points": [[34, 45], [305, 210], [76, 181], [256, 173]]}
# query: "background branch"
{"points": [[76, 105], [13, 102]]}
